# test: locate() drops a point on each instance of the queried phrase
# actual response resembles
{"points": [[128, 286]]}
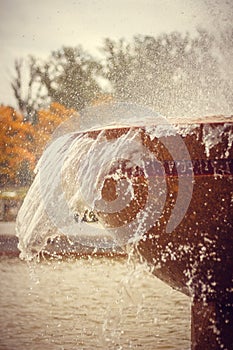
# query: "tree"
{"points": [[120, 59], [47, 122], [178, 75], [27, 89], [68, 77], [16, 158], [74, 83], [22, 142]]}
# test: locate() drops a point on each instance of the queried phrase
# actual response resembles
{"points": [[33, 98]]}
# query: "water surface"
{"points": [[89, 304]]}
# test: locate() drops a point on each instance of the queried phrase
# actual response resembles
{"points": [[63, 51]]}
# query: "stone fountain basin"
{"points": [[196, 256]]}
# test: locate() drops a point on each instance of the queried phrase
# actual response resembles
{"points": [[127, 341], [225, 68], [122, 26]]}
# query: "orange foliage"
{"points": [[16, 138], [22, 143], [101, 99], [48, 121]]}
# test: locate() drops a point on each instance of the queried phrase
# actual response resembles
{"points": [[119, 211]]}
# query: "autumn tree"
{"points": [[47, 122], [22, 142], [16, 157]]}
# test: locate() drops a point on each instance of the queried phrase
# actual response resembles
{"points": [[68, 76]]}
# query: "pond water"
{"points": [[97, 303]]}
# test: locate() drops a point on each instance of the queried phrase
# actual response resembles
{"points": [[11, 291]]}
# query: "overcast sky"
{"points": [[38, 27]]}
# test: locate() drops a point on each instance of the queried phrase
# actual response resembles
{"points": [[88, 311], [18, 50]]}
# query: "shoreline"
{"points": [[60, 247]]}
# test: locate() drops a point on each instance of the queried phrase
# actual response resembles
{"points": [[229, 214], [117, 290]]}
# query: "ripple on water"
{"points": [[87, 304]]}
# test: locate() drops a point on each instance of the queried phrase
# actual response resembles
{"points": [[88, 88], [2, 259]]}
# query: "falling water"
{"points": [[69, 179]]}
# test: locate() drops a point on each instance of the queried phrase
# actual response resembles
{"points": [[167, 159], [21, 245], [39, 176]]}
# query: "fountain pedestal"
{"points": [[195, 257], [212, 324]]}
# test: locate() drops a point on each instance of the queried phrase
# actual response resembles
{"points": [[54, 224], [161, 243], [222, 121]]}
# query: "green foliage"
{"points": [[176, 74], [70, 77]]}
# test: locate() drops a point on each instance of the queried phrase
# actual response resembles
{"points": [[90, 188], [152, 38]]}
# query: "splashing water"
{"points": [[68, 190], [66, 184], [69, 179], [216, 18]]}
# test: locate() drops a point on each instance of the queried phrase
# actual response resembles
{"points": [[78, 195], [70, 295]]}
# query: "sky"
{"points": [[29, 27]]}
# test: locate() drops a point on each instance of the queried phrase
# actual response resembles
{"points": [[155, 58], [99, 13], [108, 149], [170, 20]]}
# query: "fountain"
{"points": [[162, 186]]}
